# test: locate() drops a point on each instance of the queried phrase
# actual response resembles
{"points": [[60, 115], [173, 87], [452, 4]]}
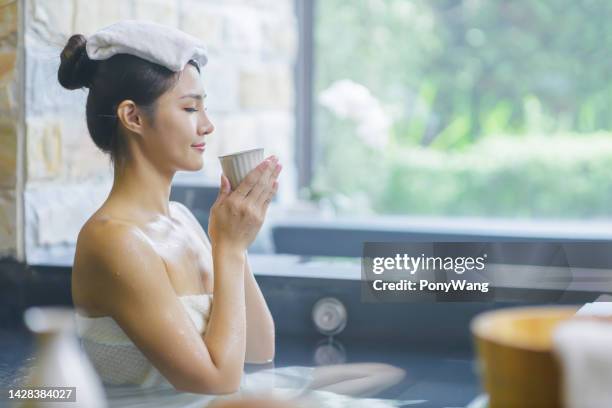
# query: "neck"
{"points": [[145, 186]]}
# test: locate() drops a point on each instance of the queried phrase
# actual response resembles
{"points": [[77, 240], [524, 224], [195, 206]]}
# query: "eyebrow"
{"points": [[198, 97]]}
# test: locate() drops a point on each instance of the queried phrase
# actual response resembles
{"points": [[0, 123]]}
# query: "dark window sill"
{"points": [[344, 236]]}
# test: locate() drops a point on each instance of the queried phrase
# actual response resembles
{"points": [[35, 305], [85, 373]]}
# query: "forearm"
{"points": [[225, 335], [260, 325]]}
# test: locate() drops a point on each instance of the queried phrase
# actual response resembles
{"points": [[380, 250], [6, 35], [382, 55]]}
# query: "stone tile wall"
{"points": [[10, 127]]}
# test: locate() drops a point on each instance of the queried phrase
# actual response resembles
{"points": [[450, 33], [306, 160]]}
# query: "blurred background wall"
{"points": [[61, 177]]}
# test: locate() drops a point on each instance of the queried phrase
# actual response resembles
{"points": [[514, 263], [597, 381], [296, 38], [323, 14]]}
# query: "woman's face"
{"points": [[180, 122]]}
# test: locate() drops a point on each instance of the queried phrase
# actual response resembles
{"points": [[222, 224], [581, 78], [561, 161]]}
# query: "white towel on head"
{"points": [[160, 44]]}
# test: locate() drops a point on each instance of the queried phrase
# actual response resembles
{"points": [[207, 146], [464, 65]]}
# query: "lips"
{"points": [[199, 145]]}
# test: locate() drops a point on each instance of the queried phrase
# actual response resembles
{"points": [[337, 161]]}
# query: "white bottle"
{"points": [[59, 361]]}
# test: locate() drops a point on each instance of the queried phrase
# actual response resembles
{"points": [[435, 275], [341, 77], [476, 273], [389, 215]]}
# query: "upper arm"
{"points": [[144, 304]]}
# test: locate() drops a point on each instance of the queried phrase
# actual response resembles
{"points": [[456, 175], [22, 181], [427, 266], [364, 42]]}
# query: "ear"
{"points": [[130, 116]]}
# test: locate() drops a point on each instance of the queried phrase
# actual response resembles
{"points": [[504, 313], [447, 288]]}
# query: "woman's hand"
{"points": [[236, 216]]}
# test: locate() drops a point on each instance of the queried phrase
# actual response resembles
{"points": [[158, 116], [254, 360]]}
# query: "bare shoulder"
{"points": [[100, 238], [188, 216], [110, 256]]}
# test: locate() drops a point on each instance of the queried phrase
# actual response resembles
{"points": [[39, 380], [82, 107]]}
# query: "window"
{"points": [[486, 108]]}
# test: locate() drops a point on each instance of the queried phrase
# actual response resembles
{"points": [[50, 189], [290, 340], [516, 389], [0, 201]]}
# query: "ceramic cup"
{"points": [[237, 165], [517, 364]]}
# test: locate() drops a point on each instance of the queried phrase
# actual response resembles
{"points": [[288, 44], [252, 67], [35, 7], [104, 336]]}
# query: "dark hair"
{"points": [[111, 81]]}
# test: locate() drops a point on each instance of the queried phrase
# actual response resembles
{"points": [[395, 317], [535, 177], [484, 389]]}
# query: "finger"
{"points": [[224, 188], [251, 179], [262, 181], [270, 196], [265, 183], [269, 186]]}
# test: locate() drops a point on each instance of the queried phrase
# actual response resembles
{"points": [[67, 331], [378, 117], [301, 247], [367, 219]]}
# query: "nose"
{"points": [[206, 127]]}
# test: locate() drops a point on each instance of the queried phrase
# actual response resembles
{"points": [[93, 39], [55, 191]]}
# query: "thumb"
{"points": [[225, 187]]}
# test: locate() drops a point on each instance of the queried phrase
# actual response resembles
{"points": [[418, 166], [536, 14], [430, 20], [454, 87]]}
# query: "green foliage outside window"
{"points": [[494, 108]]}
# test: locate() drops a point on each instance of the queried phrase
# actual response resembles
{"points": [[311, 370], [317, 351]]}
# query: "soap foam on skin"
{"points": [[181, 249]]}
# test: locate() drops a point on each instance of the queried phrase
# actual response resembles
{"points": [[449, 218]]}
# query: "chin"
{"points": [[195, 165]]}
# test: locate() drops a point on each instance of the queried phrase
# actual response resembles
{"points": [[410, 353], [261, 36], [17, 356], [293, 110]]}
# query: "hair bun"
{"points": [[76, 70]]}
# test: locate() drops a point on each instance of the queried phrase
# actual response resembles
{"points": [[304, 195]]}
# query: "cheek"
{"points": [[176, 131], [183, 125]]}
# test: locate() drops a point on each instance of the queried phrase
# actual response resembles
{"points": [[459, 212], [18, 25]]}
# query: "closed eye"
{"points": [[194, 109]]}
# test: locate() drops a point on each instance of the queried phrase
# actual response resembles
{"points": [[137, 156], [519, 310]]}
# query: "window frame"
{"points": [[304, 72]]}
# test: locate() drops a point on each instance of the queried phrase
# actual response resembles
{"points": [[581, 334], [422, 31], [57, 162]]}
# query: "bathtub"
{"points": [[430, 341]]}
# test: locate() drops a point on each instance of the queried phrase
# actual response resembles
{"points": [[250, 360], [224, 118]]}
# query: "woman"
{"points": [[151, 310]]}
